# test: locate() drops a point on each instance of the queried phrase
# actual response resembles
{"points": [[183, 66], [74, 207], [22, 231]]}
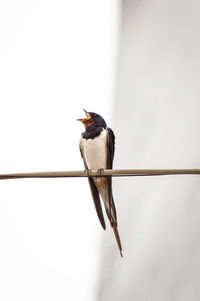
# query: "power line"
{"points": [[106, 172]]}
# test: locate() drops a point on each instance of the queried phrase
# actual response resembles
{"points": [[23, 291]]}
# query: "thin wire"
{"points": [[105, 173]]}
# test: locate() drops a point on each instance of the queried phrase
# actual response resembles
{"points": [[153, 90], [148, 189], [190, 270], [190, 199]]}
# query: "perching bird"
{"points": [[97, 145]]}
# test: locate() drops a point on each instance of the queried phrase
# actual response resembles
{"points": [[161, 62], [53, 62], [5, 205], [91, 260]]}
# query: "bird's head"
{"points": [[92, 119]]}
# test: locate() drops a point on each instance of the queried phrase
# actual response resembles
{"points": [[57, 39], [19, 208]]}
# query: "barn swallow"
{"points": [[97, 146]]}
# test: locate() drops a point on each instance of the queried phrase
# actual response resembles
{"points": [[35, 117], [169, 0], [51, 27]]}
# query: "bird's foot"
{"points": [[100, 171], [88, 172]]}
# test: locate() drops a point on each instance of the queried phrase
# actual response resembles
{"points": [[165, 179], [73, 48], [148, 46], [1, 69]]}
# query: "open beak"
{"points": [[88, 117]]}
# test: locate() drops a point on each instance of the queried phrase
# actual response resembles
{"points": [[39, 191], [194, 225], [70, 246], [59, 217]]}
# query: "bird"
{"points": [[97, 146]]}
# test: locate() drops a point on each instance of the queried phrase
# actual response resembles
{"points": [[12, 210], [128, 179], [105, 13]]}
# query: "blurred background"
{"points": [[56, 58], [137, 64]]}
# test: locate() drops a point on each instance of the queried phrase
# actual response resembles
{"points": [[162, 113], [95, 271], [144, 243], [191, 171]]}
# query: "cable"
{"points": [[106, 172]]}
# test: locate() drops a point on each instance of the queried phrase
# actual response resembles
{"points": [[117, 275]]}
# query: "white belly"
{"points": [[95, 151]]}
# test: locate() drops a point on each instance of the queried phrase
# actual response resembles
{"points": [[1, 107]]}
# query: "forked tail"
{"points": [[117, 238]]}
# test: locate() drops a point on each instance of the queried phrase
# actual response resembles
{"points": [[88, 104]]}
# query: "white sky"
{"points": [[56, 57]]}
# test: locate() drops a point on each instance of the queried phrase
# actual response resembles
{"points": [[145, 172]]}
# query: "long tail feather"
{"points": [[117, 239]]}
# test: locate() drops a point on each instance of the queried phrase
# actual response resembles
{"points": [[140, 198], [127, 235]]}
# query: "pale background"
{"points": [[56, 58], [156, 121]]}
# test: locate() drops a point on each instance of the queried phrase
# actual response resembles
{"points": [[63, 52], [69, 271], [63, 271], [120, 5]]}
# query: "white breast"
{"points": [[95, 151]]}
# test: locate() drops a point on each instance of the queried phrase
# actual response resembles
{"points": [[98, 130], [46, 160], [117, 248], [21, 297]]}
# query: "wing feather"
{"points": [[110, 157], [110, 148]]}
